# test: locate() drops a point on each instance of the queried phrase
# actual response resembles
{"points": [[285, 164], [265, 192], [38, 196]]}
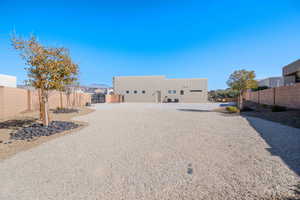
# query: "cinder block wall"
{"points": [[253, 96], [266, 96], [15, 100], [288, 96]]}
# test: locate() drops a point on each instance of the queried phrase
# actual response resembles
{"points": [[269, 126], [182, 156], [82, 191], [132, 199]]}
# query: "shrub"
{"points": [[260, 88], [246, 108], [232, 109], [277, 108]]}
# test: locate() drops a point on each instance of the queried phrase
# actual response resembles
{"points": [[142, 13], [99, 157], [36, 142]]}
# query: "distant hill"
{"points": [[97, 86]]}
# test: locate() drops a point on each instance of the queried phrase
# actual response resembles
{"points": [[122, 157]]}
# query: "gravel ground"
{"points": [[158, 151]]}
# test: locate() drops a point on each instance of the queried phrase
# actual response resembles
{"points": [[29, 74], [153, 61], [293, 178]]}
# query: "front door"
{"points": [[158, 97]]}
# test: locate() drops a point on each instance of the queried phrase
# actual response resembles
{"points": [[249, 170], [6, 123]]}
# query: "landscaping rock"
{"points": [[37, 130], [65, 110]]}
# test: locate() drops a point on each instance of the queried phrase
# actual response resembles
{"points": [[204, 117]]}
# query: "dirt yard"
{"points": [[9, 147], [159, 151]]}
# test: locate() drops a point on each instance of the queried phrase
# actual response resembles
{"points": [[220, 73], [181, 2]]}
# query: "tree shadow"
{"points": [[284, 141], [16, 123]]}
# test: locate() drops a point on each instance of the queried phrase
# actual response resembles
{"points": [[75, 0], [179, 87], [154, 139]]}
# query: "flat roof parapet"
{"points": [[291, 68]]}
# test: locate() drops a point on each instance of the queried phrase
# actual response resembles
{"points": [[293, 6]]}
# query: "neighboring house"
{"points": [[160, 89], [97, 91], [291, 73], [110, 91], [95, 88], [271, 82], [8, 81]]}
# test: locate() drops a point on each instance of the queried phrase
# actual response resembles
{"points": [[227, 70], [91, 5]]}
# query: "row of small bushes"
{"points": [[277, 108], [274, 108]]}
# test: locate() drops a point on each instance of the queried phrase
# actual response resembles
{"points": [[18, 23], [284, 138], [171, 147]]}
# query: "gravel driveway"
{"points": [[158, 151]]}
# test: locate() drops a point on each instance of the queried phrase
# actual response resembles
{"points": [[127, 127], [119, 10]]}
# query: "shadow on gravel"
{"points": [[284, 142]]}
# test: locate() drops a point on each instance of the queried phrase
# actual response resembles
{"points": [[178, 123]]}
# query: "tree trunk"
{"points": [[45, 110], [241, 104], [40, 104]]}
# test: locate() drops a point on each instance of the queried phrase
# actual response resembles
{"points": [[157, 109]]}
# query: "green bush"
{"points": [[260, 88], [232, 109], [277, 108]]}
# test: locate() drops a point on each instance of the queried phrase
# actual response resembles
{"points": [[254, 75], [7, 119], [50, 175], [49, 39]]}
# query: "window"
{"points": [[135, 92], [181, 92], [195, 90], [172, 91], [143, 91], [127, 92]]}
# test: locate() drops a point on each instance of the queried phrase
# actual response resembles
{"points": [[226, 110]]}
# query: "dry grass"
{"points": [[11, 147]]}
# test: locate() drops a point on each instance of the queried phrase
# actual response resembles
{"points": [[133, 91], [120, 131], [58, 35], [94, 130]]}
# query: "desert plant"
{"points": [[246, 109], [277, 108], [232, 109]]}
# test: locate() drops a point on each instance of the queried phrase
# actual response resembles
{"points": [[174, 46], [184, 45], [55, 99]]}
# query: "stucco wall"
{"points": [[113, 98], [15, 100], [146, 89]]}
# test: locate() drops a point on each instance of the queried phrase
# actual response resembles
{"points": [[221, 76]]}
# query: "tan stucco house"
{"points": [[160, 89], [291, 73]]}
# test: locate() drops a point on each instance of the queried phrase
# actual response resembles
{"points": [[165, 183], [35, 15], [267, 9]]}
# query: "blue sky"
{"points": [[179, 39]]}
